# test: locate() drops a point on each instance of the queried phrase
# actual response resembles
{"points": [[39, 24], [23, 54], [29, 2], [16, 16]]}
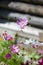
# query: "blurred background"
{"points": [[11, 10]]}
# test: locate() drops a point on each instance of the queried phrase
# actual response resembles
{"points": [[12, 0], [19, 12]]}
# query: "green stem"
{"points": [[16, 37]]}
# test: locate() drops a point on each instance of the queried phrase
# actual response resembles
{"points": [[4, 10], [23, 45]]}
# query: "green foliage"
{"points": [[4, 49], [15, 59], [34, 55]]}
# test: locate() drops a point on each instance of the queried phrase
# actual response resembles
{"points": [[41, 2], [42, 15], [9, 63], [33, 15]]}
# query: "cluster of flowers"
{"points": [[11, 52]]}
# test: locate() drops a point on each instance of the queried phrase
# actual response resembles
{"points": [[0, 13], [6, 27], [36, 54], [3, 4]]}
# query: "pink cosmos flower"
{"points": [[14, 49], [8, 56], [27, 63], [8, 37], [35, 46], [31, 61], [22, 22], [21, 44], [40, 51], [40, 61], [5, 34]]}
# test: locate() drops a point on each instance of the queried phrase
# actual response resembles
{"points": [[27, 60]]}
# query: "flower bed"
{"points": [[25, 52]]}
